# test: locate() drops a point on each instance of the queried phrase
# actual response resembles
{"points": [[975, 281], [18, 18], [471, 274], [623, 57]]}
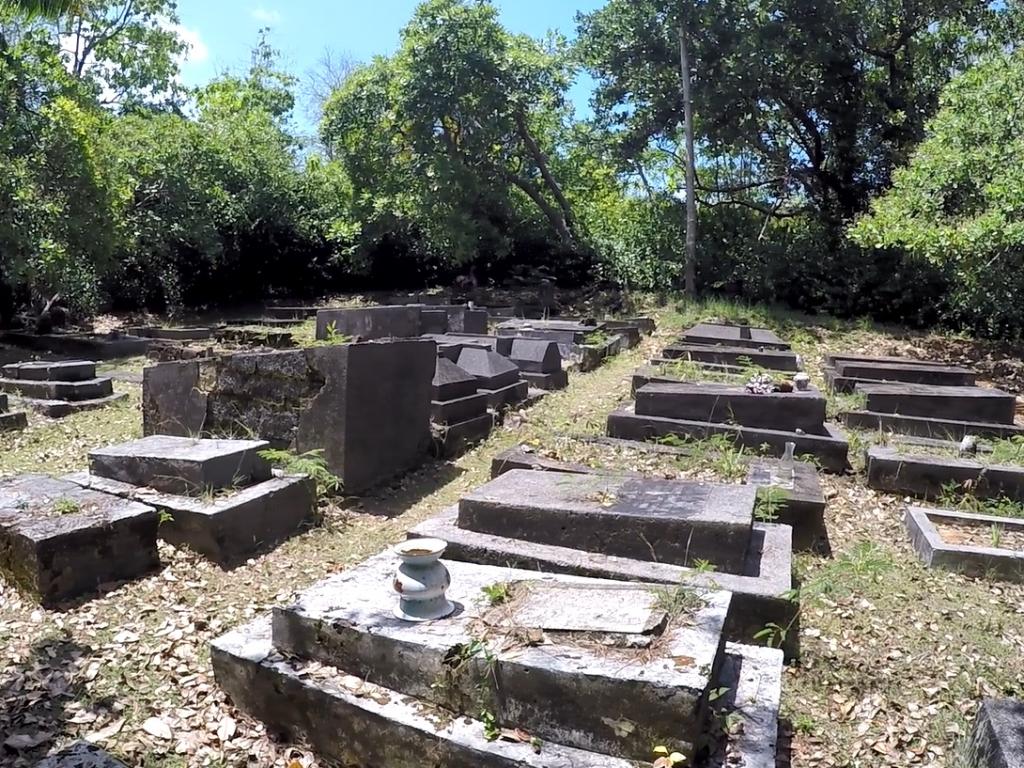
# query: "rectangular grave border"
{"points": [[978, 561], [920, 426], [927, 476]]}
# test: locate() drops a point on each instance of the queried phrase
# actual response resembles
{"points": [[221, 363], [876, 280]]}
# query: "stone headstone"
{"points": [[370, 323], [452, 382], [491, 369]]}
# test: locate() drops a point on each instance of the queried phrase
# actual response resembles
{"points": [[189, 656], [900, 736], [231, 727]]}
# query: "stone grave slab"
{"points": [[227, 528], [173, 334], [935, 375], [183, 465], [752, 678], [81, 754], [564, 688], [721, 403], [350, 721], [801, 506], [452, 440], [491, 370], [83, 345], [454, 318], [457, 410], [58, 409], [739, 357], [10, 421], [920, 426], [662, 372], [59, 542], [627, 517], [370, 323], [291, 312], [997, 740], [519, 458], [982, 546], [758, 590], [72, 391], [832, 360], [734, 336], [961, 403], [60, 370], [926, 476], [452, 382], [830, 449], [509, 396], [535, 356], [366, 406]]}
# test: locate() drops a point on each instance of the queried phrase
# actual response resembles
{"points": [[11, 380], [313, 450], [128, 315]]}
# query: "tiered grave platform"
{"points": [[58, 389], [497, 377], [11, 420], [586, 345], [219, 497], [631, 529], [539, 360], [59, 541], [721, 355], [459, 412], [844, 372], [744, 336], [587, 672], [755, 421]]}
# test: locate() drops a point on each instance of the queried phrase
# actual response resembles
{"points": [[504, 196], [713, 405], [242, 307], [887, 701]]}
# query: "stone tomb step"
{"points": [[830, 449], [58, 409], [508, 396], [759, 590], [183, 465], [734, 356], [673, 522], [549, 382], [226, 528], [918, 426], [997, 740], [63, 370], [452, 440], [734, 336], [601, 651], [12, 421], [59, 541], [724, 404], [960, 403], [801, 506], [349, 721], [73, 391], [459, 409], [935, 375], [927, 476]]}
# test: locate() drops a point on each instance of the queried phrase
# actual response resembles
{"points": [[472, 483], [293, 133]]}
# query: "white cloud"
{"points": [[265, 16], [197, 51]]}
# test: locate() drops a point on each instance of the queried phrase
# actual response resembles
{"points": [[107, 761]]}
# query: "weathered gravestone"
{"points": [[366, 406], [962, 403], [739, 357], [998, 737], [59, 541], [496, 376], [733, 336], [11, 420], [219, 497], [57, 389], [369, 323], [459, 412]]}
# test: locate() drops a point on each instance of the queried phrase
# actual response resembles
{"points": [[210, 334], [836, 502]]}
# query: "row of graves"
{"points": [[936, 435], [52, 388]]}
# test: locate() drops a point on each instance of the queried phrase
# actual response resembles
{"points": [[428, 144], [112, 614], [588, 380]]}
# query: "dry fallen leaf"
{"points": [[156, 727]]}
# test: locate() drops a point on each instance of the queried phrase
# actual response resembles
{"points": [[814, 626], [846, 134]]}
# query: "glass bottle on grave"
{"points": [[784, 473]]}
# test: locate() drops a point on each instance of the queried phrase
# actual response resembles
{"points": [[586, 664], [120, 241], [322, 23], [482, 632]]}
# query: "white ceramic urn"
{"points": [[422, 581]]}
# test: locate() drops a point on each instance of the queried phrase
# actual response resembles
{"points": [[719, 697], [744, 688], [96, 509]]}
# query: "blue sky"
{"points": [[222, 32]]}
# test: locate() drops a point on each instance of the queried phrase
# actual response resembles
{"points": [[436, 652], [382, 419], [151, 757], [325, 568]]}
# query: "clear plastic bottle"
{"points": [[784, 473]]}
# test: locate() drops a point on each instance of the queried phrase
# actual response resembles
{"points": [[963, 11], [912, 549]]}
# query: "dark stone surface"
{"points": [[452, 382], [183, 465], [58, 409], [173, 334], [549, 382], [347, 727], [81, 754], [723, 404], [12, 421], [535, 355], [452, 440], [565, 336], [291, 312], [833, 360], [230, 527], [433, 321], [370, 323], [734, 356], [937, 375], [830, 450], [367, 406], [491, 370], [71, 370], [734, 336], [462, 319], [458, 409], [958, 403], [54, 557], [801, 507], [637, 518], [918, 426], [519, 458], [508, 396], [998, 737], [72, 391], [926, 476], [90, 346]]}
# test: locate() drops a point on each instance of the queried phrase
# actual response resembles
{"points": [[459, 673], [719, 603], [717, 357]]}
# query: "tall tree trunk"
{"points": [[553, 214], [691, 170], [545, 170]]}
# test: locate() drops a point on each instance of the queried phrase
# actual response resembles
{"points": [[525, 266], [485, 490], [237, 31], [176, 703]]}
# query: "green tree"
{"points": [[959, 204]]}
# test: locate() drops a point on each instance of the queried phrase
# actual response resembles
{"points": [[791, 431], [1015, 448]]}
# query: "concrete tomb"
{"points": [[459, 412], [567, 663], [539, 360], [798, 502], [587, 346], [733, 336], [59, 541], [369, 323], [923, 401], [629, 528], [57, 389], [11, 420], [497, 377], [981, 546], [997, 740], [701, 410], [923, 426], [220, 497], [366, 406], [739, 357], [843, 375], [928, 476]]}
